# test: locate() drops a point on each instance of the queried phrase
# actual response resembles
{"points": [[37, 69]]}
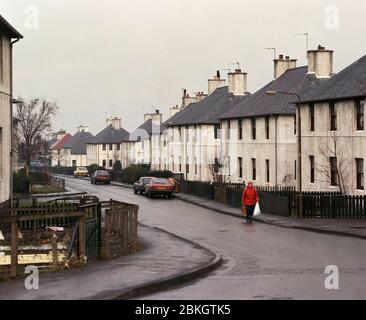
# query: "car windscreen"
{"points": [[102, 173], [160, 181]]}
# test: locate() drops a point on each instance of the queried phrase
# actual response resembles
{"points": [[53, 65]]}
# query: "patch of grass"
{"points": [[44, 189]]}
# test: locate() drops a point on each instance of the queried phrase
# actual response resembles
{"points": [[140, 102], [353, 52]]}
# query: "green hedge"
{"points": [[133, 173]]}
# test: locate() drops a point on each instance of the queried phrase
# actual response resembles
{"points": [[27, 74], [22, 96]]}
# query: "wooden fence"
{"points": [[66, 229]]}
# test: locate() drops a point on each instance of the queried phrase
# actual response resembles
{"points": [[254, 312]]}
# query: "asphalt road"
{"points": [[260, 261]]}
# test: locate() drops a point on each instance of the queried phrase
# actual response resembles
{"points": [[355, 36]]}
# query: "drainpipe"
{"points": [[11, 122], [276, 150]]}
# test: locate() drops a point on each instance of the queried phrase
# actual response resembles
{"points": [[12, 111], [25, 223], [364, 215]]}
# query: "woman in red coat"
{"points": [[249, 199]]}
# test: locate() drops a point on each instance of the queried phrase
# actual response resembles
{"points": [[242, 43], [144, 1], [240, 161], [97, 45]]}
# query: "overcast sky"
{"points": [[127, 57]]}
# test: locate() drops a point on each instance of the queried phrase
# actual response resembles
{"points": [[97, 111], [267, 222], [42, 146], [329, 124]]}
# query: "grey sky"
{"points": [[120, 57]]}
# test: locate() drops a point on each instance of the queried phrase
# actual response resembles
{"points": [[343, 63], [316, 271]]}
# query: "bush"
{"points": [[133, 173], [94, 167], [21, 182], [117, 167]]}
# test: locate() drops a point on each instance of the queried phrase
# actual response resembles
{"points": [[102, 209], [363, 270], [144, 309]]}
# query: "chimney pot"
{"points": [[281, 57]]}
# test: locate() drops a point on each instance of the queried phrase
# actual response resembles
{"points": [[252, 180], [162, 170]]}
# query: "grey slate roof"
{"points": [[6, 27], [208, 110], [349, 83], [261, 104], [110, 135], [77, 143], [147, 128]]}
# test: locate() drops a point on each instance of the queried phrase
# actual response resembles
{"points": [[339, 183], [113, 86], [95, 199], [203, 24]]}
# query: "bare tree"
{"points": [[35, 121], [337, 173]]}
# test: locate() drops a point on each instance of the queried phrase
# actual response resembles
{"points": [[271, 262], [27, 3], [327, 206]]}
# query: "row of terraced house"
{"points": [[305, 128]]}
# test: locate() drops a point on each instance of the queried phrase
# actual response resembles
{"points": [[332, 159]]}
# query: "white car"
{"points": [[81, 172]]}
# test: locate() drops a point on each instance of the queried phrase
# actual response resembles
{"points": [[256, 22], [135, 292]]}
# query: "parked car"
{"points": [[159, 186], [101, 176], [139, 186], [81, 172]]}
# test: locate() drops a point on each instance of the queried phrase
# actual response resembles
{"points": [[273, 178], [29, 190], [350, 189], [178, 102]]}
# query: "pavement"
{"points": [[341, 227], [165, 260]]}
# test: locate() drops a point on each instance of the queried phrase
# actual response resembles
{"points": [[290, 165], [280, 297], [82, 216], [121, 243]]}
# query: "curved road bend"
{"points": [[260, 261]]}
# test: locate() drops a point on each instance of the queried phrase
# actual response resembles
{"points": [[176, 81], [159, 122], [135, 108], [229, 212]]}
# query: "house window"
{"points": [[295, 125], [118, 147], [179, 134], [360, 176], [333, 171], [312, 169], [267, 127], [74, 163], [333, 116], [180, 164], [1, 153], [187, 165], [312, 116], [110, 147], [254, 129], [240, 165], [187, 134], [104, 147], [217, 131], [254, 169], [360, 110], [240, 129], [195, 134], [195, 166], [110, 163], [295, 173], [267, 171], [228, 130], [104, 163]]}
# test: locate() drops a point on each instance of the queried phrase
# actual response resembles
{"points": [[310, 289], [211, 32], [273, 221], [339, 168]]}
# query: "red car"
{"points": [[159, 186]]}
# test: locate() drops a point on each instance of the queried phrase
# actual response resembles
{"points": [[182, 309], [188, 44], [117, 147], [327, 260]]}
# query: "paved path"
{"points": [[260, 261], [355, 228], [163, 258]]}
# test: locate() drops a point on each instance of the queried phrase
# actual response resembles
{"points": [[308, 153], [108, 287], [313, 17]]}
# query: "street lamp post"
{"points": [[299, 149]]}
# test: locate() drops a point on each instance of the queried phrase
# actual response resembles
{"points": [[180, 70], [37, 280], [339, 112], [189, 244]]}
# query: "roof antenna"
{"points": [[237, 63], [306, 34], [274, 51]]}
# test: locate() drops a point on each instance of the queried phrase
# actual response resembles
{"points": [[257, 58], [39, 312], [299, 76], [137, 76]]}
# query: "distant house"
{"points": [[74, 150], [110, 145], [57, 154], [191, 145], [333, 135], [146, 138], [7, 34]]}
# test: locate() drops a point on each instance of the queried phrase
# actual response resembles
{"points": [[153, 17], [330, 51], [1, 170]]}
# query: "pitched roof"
{"points": [[110, 135], [59, 145], [77, 143], [6, 27], [208, 110], [149, 127], [349, 83], [260, 103]]}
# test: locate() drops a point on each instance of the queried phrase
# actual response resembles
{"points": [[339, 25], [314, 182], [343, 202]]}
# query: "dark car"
{"points": [[101, 176], [139, 186], [159, 186]]}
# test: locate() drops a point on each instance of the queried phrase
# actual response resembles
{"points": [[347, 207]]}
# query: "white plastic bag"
{"points": [[257, 210]]}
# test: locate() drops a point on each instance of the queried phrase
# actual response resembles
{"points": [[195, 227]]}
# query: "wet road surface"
{"points": [[260, 261]]}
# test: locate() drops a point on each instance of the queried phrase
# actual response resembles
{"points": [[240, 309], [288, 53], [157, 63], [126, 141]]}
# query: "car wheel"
{"points": [[134, 190], [170, 196]]}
